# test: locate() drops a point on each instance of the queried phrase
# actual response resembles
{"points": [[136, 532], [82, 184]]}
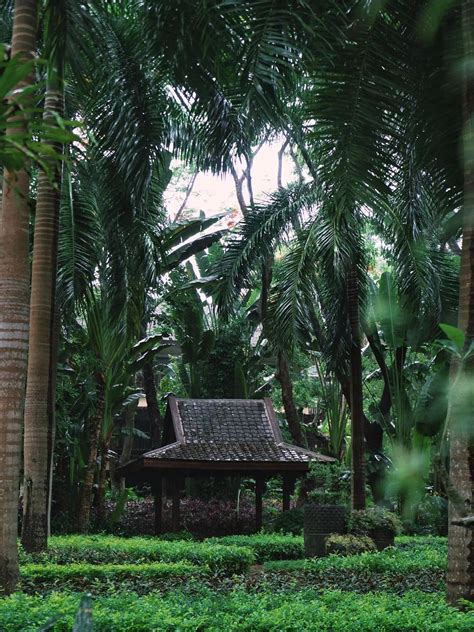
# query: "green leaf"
{"points": [[389, 312], [456, 335]]}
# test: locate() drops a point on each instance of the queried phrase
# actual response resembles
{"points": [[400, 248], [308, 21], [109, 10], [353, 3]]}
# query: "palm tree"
{"points": [[461, 536], [41, 375], [369, 161], [14, 311], [63, 48]]}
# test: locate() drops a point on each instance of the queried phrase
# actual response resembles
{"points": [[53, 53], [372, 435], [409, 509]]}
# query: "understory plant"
{"points": [[331, 484], [366, 521], [349, 544]]}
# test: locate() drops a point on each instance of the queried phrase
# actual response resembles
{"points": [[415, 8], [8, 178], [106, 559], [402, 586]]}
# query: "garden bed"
{"points": [[153, 584]]}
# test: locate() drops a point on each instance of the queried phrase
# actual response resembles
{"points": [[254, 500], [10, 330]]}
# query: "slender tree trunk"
{"points": [[14, 315], [93, 433], [461, 421], [129, 414], [187, 195], [40, 396], [154, 414], [102, 484], [125, 456], [281, 153], [357, 410], [291, 414]]}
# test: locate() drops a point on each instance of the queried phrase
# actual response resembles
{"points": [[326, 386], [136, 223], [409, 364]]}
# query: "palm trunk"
{"points": [[102, 485], [40, 401], [14, 315], [127, 447], [461, 538], [93, 434], [357, 410], [154, 414]]}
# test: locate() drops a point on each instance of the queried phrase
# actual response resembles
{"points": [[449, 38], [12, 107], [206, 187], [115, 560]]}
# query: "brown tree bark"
{"points": [[461, 418], [129, 416], [93, 434], [291, 414], [154, 414], [357, 410], [102, 484], [14, 316], [40, 386]]}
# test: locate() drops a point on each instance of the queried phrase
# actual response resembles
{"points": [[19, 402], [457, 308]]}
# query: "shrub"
{"points": [[432, 516], [290, 521], [115, 550], [363, 522], [266, 547], [202, 518], [349, 544], [332, 483], [138, 577], [391, 570]]}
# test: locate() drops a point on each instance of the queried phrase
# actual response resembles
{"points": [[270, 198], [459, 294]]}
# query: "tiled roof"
{"points": [[229, 430]]}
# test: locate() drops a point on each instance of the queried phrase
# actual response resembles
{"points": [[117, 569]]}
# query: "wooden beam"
{"points": [[241, 467], [158, 504], [259, 483]]}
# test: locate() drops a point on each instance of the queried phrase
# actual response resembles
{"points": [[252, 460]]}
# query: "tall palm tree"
{"points": [[14, 313], [461, 537], [362, 150], [70, 36], [41, 376]]}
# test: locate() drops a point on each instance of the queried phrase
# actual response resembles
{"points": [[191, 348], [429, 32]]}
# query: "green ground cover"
{"points": [[107, 549], [149, 584], [241, 610], [265, 546]]}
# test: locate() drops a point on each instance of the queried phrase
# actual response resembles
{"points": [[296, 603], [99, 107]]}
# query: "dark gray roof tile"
{"points": [[229, 430]]}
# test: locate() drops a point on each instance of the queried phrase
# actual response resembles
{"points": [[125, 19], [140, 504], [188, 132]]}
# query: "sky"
{"points": [[213, 194]]}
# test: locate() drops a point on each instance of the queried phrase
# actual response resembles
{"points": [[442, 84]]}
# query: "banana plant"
{"points": [[415, 379]]}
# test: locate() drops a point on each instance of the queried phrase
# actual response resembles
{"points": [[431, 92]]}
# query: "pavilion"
{"points": [[219, 437]]}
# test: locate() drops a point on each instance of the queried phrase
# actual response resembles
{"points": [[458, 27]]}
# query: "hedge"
{"points": [[333, 611], [391, 570], [266, 547], [103, 549], [138, 577]]}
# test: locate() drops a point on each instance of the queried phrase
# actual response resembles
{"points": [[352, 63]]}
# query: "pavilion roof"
{"points": [[226, 434]]}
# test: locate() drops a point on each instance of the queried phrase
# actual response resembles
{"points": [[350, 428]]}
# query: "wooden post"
{"points": [[288, 489], [175, 507], [258, 502], [158, 504]]}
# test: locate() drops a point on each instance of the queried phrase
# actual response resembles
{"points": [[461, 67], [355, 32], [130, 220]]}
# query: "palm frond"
{"points": [[259, 234]]}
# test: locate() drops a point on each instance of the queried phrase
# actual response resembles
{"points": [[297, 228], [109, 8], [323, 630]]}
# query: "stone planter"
{"points": [[319, 522], [383, 538]]}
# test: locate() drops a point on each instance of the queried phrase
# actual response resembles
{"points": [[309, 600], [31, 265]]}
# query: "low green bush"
{"points": [[390, 570], [138, 577], [266, 547], [290, 521], [238, 610], [102, 549], [365, 521], [433, 542], [349, 544]]}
